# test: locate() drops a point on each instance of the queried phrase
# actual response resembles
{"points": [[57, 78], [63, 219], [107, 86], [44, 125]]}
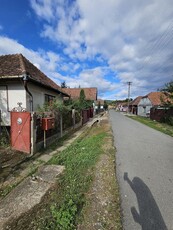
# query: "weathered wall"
{"points": [[144, 106]]}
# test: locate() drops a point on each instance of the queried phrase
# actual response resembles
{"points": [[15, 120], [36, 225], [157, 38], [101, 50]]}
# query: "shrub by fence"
{"points": [[65, 120], [162, 115]]}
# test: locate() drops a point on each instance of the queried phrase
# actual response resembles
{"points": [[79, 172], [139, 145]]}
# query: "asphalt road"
{"points": [[145, 173]]}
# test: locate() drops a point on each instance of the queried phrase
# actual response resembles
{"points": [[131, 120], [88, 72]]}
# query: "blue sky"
{"points": [[97, 43]]}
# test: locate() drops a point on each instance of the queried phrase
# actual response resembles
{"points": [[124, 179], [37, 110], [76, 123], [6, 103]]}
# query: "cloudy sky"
{"points": [[93, 43]]}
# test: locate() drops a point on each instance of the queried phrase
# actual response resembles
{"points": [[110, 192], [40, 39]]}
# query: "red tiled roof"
{"points": [[90, 93], [157, 98], [100, 101], [17, 65], [136, 100]]}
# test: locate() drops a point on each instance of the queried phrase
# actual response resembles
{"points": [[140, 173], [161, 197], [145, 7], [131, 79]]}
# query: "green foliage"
{"points": [[168, 120], [4, 137], [99, 106], [105, 105], [53, 107], [78, 105], [82, 96], [63, 217], [168, 90], [168, 87], [162, 127], [64, 85], [78, 159], [7, 190]]}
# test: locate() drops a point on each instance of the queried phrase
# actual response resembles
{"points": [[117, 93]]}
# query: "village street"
{"points": [[144, 161]]}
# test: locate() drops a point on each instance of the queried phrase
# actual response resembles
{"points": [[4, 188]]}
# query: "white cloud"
{"points": [[129, 35], [132, 39], [43, 8], [45, 61]]}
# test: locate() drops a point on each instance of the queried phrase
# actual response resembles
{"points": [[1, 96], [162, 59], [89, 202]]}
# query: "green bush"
{"points": [[4, 137]]}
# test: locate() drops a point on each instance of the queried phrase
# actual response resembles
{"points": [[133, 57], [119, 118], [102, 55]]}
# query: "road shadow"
{"points": [[149, 215]]}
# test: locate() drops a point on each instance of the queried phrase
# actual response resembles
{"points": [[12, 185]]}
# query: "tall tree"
{"points": [[105, 105], [168, 91], [82, 96], [168, 87], [63, 84]]}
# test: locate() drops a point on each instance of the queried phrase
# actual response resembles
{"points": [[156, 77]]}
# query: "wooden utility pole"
{"points": [[129, 84]]}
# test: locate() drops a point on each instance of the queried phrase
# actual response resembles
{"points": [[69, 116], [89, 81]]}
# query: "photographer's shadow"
{"points": [[149, 215]]}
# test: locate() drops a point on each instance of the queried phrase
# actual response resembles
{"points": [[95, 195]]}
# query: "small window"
{"points": [[49, 99]]}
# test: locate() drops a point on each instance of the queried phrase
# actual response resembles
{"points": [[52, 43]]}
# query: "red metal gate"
{"points": [[21, 131]]}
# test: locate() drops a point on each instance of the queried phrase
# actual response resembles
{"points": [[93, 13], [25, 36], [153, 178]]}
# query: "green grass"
{"points": [[79, 160], [162, 127]]}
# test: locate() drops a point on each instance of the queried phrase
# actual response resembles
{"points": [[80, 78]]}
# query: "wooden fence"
{"points": [[160, 114], [62, 125]]}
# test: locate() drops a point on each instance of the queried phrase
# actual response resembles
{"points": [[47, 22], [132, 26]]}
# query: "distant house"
{"points": [[99, 103], [122, 106], [133, 105], [153, 99], [74, 93], [22, 82]]}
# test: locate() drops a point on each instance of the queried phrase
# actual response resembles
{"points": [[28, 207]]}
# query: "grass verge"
{"points": [[162, 127], [89, 162], [79, 159]]}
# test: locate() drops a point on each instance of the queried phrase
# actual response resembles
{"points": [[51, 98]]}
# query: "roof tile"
{"points": [[158, 98], [90, 93], [17, 64]]}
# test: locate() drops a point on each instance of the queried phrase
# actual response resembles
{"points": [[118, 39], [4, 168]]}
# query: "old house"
{"points": [[74, 93], [153, 99], [22, 82], [133, 105]]}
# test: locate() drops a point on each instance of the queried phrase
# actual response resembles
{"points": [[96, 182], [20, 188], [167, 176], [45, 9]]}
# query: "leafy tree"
{"points": [[82, 96], [168, 88], [105, 106], [99, 106], [168, 91], [63, 85]]}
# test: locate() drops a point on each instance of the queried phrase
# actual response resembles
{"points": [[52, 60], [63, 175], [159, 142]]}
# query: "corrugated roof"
{"points": [[90, 93], [16, 65]]}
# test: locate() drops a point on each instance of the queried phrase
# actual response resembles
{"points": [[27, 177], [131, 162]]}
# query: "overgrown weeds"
{"points": [[4, 137], [79, 160], [62, 207]]}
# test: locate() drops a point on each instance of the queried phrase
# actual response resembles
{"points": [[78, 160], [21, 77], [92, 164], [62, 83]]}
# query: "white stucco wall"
{"points": [[38, 94], [13, 92], [144, 106], [10, 95]]}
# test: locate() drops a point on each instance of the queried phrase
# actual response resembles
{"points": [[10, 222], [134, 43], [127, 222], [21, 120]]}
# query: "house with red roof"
{"points": [[22, 82], [133, 105], [153, 99], [74, 93]]}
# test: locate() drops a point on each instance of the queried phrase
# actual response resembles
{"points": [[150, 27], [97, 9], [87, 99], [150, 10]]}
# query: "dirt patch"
{"points": [[9, 161], [102, 209]]}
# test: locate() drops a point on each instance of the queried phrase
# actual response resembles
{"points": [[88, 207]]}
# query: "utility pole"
{"points": [[129, 84]]}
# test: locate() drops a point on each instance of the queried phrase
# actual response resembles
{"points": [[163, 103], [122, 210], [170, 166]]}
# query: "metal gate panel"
{"points": [[21, 131]]}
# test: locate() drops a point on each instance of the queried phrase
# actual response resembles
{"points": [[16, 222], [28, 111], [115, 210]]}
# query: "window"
{"points": [[49, 99]]}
